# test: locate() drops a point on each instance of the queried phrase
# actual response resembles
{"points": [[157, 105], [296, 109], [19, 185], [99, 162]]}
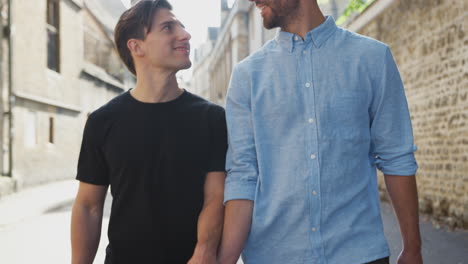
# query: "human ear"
{"points": [[134, 45]]}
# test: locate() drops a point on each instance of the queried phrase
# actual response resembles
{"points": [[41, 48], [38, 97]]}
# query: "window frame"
{"points": [[53, 29]]}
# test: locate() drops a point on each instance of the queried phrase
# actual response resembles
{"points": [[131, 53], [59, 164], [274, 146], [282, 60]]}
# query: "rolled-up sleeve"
{"points": [[391, 132], [241, 160]]}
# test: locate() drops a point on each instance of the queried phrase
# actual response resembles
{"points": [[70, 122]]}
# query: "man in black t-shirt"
{"points": [[160, 148]]}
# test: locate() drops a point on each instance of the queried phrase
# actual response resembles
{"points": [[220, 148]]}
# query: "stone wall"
{"points": [[51, 108], [430, 43], [44, 138]]}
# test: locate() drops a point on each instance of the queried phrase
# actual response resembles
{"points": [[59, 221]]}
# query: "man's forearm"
{"points": [[404, 195], [237, 222], [210, 228], [85, 233]]}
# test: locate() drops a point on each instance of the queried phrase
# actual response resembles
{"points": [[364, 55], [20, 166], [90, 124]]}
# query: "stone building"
{"points": [[58, 64], [240, 34], [430, 43], [200, 80]]}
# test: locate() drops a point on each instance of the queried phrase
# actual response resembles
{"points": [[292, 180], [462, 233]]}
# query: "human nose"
{"points": [[184, 35]]}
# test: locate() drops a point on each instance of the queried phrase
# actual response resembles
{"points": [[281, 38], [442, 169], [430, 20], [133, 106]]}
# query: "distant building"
{"points": [[201, 80], [241, 33], [63, 65]]}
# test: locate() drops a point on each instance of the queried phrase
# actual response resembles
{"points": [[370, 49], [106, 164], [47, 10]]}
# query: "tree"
{"points": [[353, 7]]}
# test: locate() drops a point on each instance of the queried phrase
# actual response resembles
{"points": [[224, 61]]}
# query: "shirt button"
{"points": [[314, 192], [311, 120], [313, 156], [314, 229], [307, 84], [296, 38], [304, 52]]}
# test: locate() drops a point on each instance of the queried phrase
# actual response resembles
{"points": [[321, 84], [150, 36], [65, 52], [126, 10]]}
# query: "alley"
{"points": [[42, 234]]}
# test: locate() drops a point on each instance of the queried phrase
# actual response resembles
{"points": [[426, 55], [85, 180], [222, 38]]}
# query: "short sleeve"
{"points": [[92, 167], [218, 142]]}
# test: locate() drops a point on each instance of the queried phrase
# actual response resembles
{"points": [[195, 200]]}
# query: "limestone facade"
{"points": [[42, 129], [429, 40]]}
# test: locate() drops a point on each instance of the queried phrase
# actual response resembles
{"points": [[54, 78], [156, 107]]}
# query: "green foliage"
{"points": [[353, 7]]}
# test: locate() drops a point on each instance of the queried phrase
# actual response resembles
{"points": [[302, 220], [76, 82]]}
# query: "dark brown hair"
{"points": [[135, 23]]}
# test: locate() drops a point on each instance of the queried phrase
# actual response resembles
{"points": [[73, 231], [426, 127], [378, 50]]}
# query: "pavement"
{"points": [[35, 224], [35, 201]]}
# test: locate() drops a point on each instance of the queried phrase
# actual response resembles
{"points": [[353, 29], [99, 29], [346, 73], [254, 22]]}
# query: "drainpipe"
{"points": [[2, 116], [10, 90]]}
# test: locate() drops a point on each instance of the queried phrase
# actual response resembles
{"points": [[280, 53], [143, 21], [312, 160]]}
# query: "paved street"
{"points": [[439, 246], [44, 237]]}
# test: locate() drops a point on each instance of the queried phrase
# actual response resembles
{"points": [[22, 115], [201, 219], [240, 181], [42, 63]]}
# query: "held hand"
{"points": [[410, 257]]}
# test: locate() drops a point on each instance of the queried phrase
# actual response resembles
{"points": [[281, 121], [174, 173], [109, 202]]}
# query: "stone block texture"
{"points": [[430, 43]]}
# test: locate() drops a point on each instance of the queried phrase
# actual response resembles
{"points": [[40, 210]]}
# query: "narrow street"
{"points": [[45, 236]]}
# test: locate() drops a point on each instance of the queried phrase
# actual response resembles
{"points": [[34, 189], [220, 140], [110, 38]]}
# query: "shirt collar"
{"points": [[318, 35]]}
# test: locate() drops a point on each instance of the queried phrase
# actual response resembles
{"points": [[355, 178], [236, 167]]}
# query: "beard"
{"points": [[281, 12]]}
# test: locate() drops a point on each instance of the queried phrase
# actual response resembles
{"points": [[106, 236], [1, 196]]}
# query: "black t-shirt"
{"points": [[155, 157]]}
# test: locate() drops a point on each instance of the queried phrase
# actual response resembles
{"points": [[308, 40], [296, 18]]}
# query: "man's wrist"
{"points": [[205, 249], [412, 241], [412, 248], [228, 255], [227, 259]]}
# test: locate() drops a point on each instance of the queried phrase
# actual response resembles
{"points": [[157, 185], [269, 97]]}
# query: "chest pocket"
{"points": [[346, 116]]}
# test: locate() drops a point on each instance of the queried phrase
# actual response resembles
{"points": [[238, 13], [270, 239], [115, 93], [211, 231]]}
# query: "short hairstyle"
{"points": [[136, 23]]}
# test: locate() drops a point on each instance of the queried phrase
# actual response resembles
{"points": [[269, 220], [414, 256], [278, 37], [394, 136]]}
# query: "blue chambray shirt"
{"points": [[309, 121]]}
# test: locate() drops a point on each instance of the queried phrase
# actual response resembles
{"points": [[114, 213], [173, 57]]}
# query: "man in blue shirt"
{"points": [[311, 116]]}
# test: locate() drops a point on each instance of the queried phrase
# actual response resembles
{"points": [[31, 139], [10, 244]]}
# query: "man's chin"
{"points": [[181, 66], [186, 65], [270, 23]]}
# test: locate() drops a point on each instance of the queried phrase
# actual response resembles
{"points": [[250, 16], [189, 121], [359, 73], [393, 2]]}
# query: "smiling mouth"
{"points": [[183, 49]]}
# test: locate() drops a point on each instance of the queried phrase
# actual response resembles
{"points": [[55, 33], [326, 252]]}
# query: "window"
{"points": [[30, 136], [51, 130], [53, 36]]}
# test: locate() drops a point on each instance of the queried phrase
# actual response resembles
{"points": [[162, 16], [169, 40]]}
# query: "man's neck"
{"points": [[156, 87], [308, 16]]}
